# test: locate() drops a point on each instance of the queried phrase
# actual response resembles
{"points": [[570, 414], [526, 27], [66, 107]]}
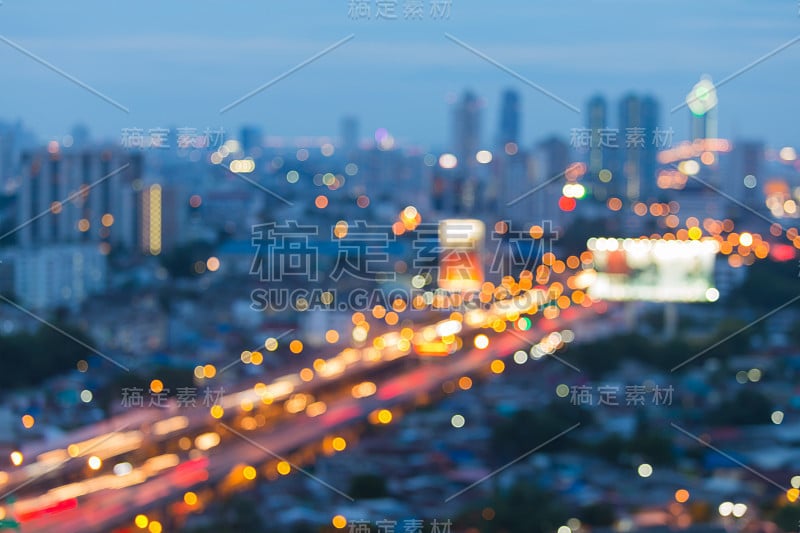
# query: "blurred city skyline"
{"points": [[438, 265]]}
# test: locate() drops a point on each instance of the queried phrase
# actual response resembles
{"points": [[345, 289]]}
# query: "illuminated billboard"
{"points": [[653, 270], [461, 254]]}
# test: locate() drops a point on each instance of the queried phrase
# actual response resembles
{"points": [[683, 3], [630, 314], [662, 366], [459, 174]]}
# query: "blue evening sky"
{"points": [[176, 63]]}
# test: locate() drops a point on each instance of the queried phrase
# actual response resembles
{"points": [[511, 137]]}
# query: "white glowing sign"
{"points": [[653, 270]]}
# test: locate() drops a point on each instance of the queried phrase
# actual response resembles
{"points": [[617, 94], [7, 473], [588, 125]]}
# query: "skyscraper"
{"points": [[348, 134], [512, 180], [509, 118], [702, 103], [80, 136], [638, 120], [552, 157], [251, 137], [649, 162], [467, 130], [597, 121], [630, 123], [742, 180], [599, 159]]}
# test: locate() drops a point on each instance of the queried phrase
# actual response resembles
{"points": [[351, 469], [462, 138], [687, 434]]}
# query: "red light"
{"points": [[781, 252], [64, 505], [567, 204], [192, 465], [339, 416]]}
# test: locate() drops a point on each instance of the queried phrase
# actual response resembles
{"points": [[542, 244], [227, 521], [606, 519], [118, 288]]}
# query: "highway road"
{"points": [[106, 501]]}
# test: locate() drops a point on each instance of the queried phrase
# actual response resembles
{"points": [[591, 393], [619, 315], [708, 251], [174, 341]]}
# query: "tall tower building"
{"points": [[599, 159], [512, 179], [597, 121], [251, 137], [467, 130], [649, 161], [702, 102], [638, 120], [348, 134], [552, 157], [745, 180], [631, 145], [509, 118], [80, 136]]}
